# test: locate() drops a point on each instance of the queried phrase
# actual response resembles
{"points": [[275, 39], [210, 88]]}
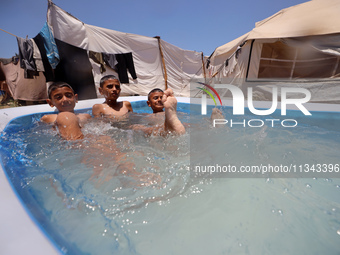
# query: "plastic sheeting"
{"points": [[181, 65]]}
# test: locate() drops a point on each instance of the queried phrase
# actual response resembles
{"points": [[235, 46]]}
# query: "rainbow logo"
{"points": [[209, 93]]}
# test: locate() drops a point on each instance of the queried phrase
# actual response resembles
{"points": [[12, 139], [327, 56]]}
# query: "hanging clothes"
{"points": [[50, 46], [49, 72], [98, 58], [125, 63], [75, 69], [26, 57], [110, 60], [37, 57], [122, 63]]}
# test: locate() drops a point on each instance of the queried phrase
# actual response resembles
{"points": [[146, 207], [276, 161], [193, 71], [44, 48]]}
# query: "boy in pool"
{"points": [[110, 89], [163, 103], [155, 100], [62, 96]]}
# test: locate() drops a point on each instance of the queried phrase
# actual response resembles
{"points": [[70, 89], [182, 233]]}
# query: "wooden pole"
{"points": [[205, 76], [163, 62]]}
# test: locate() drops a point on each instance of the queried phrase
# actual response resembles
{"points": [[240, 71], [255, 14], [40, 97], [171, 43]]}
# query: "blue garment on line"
{"points": [[50, 46]]}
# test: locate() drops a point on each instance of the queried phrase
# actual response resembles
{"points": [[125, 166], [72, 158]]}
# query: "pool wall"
{"points": [[19, 232]]}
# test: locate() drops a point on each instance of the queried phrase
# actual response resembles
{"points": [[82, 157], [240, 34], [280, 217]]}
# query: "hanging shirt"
{"points": [[110, 60], [26, 57]]}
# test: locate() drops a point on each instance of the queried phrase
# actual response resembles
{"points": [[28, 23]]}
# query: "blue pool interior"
{"points": [[226, 215]]}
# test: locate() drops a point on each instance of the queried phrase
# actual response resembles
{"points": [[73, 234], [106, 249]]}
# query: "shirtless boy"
{"points": [[110, 89], [61, 96], [159, 100], [155, 100]]}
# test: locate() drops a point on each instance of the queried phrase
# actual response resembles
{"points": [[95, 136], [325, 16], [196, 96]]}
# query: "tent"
{"points": [[297, 46], [157, 63], [85, 53]]}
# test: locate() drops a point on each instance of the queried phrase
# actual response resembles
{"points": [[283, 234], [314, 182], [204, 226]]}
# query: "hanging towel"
{"points": [[50, 46]]}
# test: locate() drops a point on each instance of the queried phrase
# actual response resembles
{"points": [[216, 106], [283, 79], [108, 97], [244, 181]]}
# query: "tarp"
{"points": [[180, 65], [316, 17]]}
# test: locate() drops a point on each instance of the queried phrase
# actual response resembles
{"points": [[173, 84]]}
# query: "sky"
{"points": [[191, 25]]}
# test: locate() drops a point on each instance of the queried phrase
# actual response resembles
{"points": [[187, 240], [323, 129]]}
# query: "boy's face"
{"points": [[63, 99], [111, 89], [155, 101]]}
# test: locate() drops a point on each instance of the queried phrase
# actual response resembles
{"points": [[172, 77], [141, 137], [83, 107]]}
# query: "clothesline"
{"points": [[8, 32]]}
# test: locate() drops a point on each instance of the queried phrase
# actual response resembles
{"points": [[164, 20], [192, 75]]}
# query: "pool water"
{"points": [[85, 205]]}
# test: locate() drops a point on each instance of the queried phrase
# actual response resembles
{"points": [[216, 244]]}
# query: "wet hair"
{"points": [[107, 77], [153, 91], [57, 85]]}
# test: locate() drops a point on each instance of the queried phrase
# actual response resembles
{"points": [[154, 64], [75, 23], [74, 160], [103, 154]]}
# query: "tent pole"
{"points": [[163, 62], [205, 76]]}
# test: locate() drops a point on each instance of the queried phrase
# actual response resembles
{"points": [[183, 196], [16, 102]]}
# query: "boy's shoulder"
{"points": [[128, 105], [99, 107], [49, 118]]}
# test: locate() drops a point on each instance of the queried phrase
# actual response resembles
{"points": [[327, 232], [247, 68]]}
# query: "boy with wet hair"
{"points": [[155, 100], [110, 89], [159, 100], [62, 96]]}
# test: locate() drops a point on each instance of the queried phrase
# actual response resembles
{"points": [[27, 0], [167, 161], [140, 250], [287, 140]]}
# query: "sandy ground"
{"points": [[8, 104]]}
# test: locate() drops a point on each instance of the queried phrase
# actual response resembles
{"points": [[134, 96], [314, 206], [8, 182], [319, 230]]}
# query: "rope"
{"points": [[8, 32]]}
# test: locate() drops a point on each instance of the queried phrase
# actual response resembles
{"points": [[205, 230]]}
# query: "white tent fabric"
{"points": [[310, 30], [180, 65], [316, 17]]}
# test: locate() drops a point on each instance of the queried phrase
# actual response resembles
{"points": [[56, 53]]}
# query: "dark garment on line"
{"points": [[125, 62], [110, 60], [49, 73], [75, 69], [121, 63], [26, 57], [98, 58]]}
